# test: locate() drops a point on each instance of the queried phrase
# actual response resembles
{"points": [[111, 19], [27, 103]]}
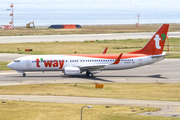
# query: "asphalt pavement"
{"points": [[81, 37], [166, 71]]}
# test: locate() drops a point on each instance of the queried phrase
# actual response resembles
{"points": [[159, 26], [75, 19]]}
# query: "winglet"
{"points": [[118, 59], [105, 50]]}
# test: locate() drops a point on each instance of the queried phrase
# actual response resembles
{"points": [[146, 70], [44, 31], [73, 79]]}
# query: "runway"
{"points": [[166, 71], [168, 109], [81, 37]]}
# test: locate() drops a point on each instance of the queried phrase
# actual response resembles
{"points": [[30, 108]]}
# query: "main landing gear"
{"points": [[89, 74], [24, 74]]}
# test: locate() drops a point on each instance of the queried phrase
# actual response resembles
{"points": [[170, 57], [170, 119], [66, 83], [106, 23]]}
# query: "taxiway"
{"points": [[81, 37]]}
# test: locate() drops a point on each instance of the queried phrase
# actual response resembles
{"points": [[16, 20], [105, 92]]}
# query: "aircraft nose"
{"points": [[10, 65]]}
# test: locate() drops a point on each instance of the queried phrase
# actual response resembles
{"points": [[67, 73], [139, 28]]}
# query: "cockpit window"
{"points": [[16, 61]]}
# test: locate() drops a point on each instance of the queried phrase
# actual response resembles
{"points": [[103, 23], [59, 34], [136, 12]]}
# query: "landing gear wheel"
{"points": [[24, 74], [89, 74]]}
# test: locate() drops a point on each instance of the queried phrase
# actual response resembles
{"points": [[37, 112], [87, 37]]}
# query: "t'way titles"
{"points": [[50, 63]]}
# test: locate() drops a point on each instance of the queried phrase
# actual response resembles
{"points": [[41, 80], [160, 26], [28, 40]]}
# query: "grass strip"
{"points": [[163, 92], [21, 110]]}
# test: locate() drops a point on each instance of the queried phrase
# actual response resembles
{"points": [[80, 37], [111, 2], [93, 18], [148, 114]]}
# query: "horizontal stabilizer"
{"points": [[162, 55], [157, 56]]}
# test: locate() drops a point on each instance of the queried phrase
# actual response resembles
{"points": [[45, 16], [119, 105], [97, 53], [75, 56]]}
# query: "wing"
{"points": [[99, 66]]}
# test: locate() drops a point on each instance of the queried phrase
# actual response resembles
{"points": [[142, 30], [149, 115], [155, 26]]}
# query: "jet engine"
{"points": [[72, 71]]}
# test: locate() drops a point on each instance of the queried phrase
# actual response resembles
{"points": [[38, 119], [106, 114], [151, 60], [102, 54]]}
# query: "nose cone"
{"points": [[10, 65]]}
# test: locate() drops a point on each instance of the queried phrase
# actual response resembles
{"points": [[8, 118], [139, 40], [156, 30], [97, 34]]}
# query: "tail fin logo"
{"points": [[163, 36], [157, 41]]}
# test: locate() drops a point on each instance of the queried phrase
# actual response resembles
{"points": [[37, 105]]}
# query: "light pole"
{"points": [[82, 109]]}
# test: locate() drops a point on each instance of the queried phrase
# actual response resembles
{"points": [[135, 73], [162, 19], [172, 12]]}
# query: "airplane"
{"points": [[76, 64]]}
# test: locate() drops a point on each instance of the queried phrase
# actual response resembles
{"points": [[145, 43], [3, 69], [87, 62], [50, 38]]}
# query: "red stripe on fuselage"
{"points": [[109, 56]]}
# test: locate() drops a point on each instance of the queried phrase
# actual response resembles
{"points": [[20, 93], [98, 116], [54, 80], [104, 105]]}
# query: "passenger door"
{"points": [[28, 64], [140, 61]]}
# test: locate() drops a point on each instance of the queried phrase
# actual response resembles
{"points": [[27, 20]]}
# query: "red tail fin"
{"points": [[156, 43]]}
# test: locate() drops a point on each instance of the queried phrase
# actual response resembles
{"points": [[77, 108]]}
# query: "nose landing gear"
{"points": [[24, 74]]}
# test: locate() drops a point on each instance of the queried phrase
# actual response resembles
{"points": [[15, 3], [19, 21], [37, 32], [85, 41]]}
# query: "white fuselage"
{"points": [[59, 62]]}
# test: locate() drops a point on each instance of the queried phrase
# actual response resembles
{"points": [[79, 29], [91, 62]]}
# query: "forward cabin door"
{"points": [[140, 61], [28, 64]]}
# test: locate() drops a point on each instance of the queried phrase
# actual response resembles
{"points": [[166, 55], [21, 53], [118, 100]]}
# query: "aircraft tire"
{"points": [[24, 74], [90, 75]]}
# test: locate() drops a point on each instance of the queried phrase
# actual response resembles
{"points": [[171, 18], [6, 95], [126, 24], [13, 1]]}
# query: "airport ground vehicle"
{"points": [[28, 25]]}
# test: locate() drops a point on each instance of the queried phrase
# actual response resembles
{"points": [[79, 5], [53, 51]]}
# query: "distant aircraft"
{"points": [[75, 64]]}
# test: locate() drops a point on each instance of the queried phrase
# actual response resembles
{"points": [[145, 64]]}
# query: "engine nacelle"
{"points": [[72, 71]]}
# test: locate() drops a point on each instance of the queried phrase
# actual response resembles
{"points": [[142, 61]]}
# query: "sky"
{"points": [[162, 10], [141, 2]]}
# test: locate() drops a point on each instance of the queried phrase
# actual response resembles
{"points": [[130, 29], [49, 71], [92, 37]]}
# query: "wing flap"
{"points": [[92, 67]]}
